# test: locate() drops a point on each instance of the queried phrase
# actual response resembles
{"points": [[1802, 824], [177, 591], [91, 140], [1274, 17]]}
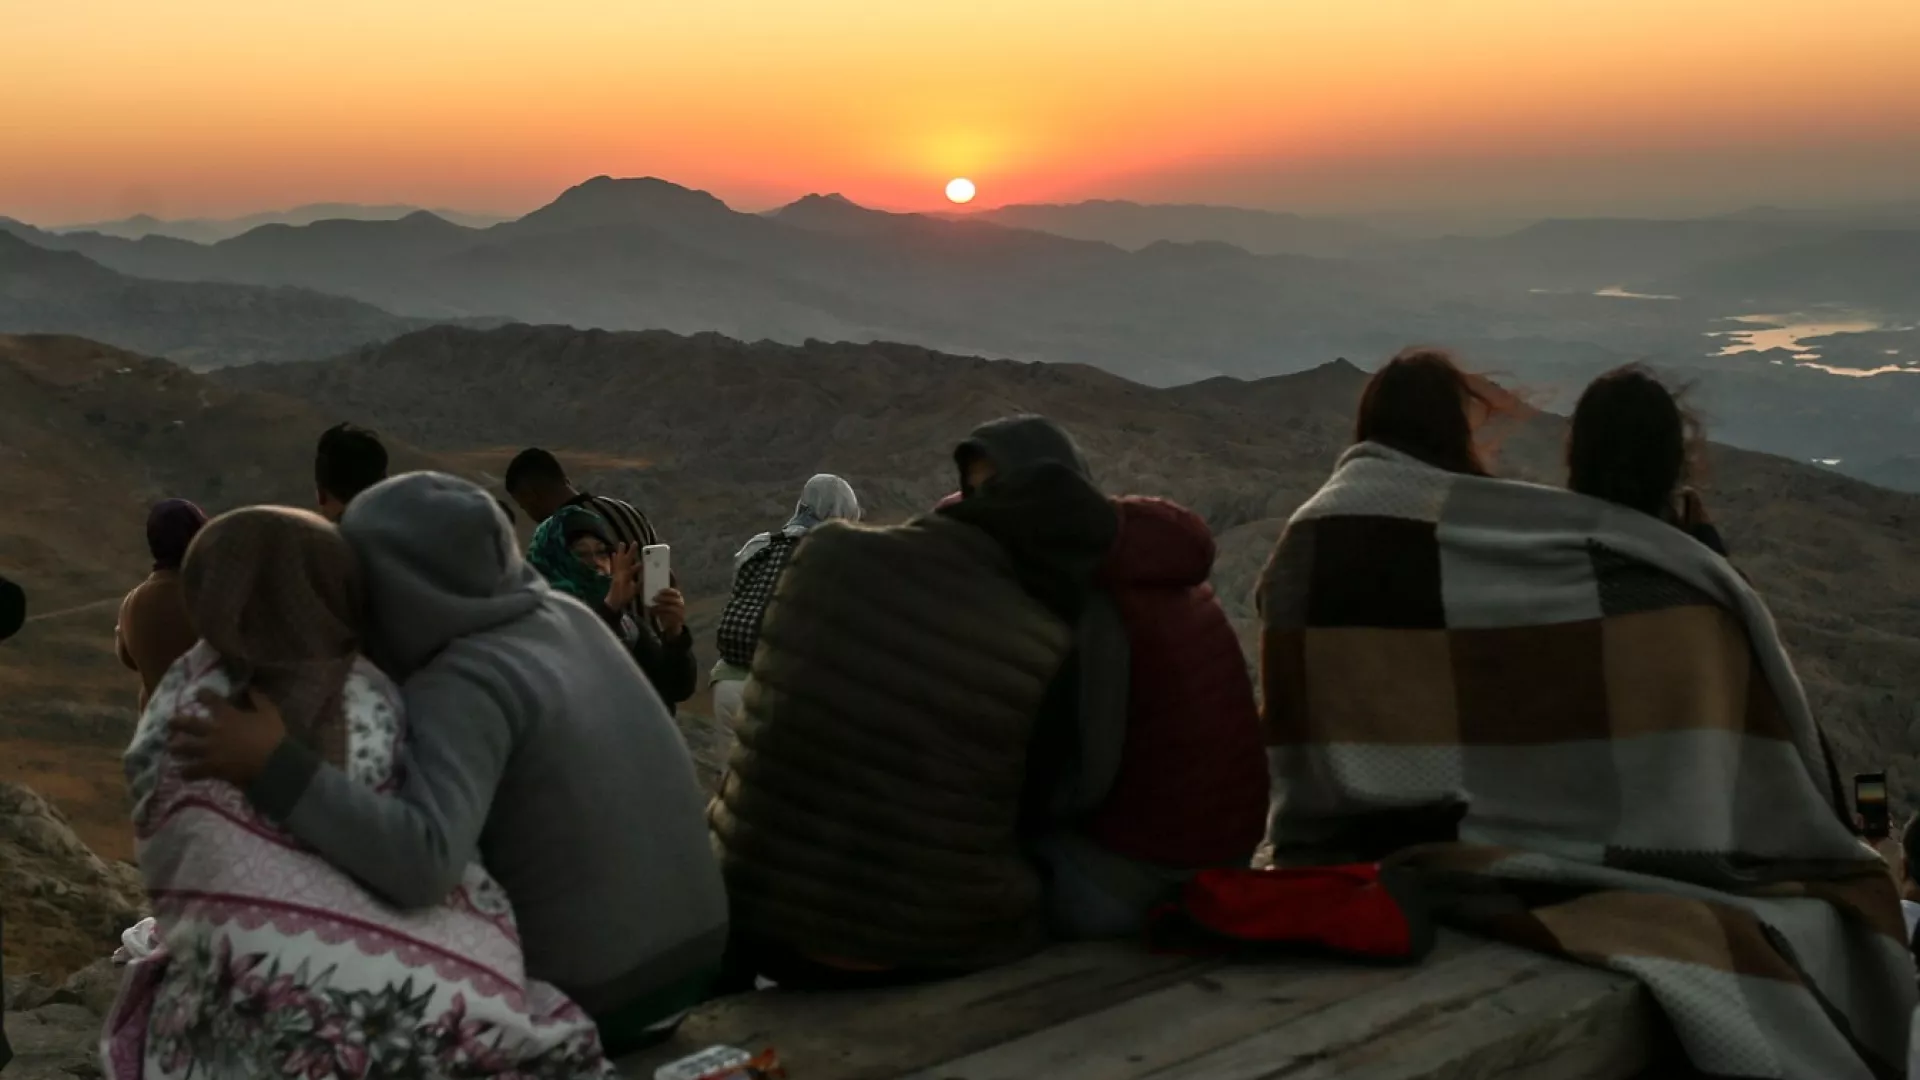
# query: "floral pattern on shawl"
{"points": [[246, 1016]]}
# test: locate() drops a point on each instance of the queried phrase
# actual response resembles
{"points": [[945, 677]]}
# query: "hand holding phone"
{"points": [[669, 612], [656, 572]]}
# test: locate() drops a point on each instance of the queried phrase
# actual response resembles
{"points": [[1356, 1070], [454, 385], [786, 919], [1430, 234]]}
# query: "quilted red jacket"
{"points": [[1192, 787]]}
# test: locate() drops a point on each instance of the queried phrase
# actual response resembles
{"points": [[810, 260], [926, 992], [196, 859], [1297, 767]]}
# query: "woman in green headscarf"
{"points": [[577, 554]]}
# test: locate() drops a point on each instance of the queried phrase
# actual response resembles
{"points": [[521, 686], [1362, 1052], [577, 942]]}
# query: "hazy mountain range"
{"points": [[1895, 215], [1145, 292], [199, 324], [1871, 269], [647, 254], [211, 230], [1134, 226]]}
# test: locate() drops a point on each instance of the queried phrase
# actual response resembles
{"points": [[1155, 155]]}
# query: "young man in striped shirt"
{"points": [[537, 482]]}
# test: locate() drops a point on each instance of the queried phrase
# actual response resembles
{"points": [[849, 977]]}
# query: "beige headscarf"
{"points": [[276, 592]]}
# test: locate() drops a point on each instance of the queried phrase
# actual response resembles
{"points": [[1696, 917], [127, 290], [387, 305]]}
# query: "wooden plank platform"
{"points": [[1474, 1010]]}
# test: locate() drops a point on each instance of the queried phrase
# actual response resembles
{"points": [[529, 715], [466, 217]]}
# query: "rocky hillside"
{"points": [[90, 436], [714, 437]]}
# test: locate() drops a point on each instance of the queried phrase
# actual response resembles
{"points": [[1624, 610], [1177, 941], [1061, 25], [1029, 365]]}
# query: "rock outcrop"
{"points": [[63, 906]]}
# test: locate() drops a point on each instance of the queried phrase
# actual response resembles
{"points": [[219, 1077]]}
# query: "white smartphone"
{"points": [[656, 572]]}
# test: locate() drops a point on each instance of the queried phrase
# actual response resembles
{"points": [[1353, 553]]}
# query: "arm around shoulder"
{"points": [[412, 846]]}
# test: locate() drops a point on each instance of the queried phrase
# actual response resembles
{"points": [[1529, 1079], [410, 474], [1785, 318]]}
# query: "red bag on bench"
{"points": [[1357, 910]]}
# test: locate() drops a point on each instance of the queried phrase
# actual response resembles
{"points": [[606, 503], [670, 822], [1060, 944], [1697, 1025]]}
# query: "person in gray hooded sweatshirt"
{"points": [[534, 743]]}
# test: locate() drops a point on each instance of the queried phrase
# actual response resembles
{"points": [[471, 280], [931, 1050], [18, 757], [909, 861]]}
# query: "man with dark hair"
{"points": [[350, 460], [540, 486], [536, 481]]}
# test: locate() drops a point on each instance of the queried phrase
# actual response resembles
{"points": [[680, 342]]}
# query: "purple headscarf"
{"points": [[171, 526]]}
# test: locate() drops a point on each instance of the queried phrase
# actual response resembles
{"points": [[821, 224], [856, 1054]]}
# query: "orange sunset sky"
{"points": [[211, 107]]}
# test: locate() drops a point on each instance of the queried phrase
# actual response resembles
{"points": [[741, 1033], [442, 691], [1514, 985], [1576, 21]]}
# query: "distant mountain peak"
{"points": [[601, 187], [1194, 251], [607, 200], [426, 219], [835, 213], [835, 204], [1337, 376]]}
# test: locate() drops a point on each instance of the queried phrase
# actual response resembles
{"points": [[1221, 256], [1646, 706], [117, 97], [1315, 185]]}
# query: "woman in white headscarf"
{"points": [[756, 573]]}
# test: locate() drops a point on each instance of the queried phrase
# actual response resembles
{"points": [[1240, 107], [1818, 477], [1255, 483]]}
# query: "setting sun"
{"points": [[960, 190]]}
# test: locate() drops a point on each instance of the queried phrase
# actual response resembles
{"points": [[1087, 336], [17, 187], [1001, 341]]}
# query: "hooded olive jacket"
{"points": [[871, 810]]}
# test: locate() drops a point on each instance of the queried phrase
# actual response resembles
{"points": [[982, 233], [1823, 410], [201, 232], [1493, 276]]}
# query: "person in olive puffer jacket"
{"points": [[911, 722], [868, 825]]}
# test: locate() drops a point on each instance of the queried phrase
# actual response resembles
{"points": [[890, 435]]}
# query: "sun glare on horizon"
{"points": [[960, 190]]}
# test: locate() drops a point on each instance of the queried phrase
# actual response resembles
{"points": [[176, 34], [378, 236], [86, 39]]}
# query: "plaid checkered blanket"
{"points": [[1581, 726]]}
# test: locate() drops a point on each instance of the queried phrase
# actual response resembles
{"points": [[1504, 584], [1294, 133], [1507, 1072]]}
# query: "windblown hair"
{"points": [[1633, 441], [1420, 403]]}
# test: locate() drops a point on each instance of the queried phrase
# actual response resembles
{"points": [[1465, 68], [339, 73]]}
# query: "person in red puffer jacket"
{"points": [[1191, 790]]}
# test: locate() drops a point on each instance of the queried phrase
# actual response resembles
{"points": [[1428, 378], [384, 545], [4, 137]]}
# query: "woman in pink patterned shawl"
{"points": [[272, 962]]}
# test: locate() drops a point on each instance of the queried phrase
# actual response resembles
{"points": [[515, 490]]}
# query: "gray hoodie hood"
{"points": [[441, 563], [1016, 442]]}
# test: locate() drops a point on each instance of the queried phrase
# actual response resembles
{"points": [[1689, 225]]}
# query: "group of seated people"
{"points": [[405, 795]]}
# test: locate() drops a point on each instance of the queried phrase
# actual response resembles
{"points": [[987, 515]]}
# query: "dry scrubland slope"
{"points": [[715, 436]]}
